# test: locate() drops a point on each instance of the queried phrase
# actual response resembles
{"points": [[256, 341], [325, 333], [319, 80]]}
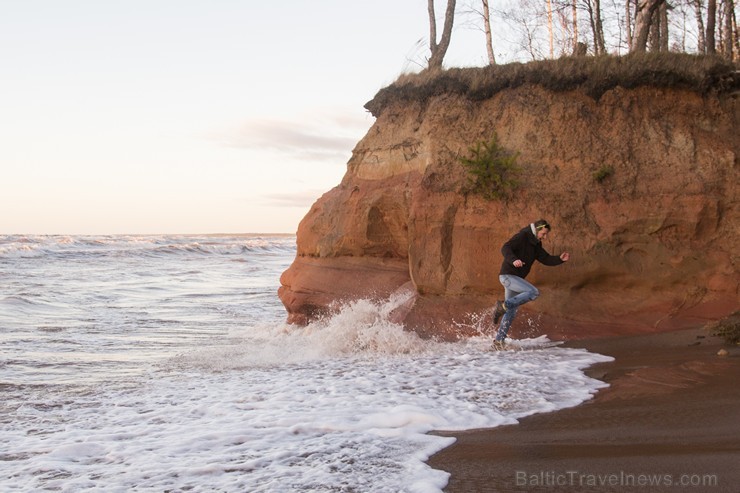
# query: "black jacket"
{"points": [[526, 247]]}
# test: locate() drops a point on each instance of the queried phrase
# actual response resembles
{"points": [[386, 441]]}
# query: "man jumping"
{"points": [[519, 253]]}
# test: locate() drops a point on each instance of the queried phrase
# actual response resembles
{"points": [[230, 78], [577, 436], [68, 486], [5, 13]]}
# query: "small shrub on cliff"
{"points": [[728, 329], [603, 173], [492, 169]]}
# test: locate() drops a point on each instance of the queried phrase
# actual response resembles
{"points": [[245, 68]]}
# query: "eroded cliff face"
{"points": [[653, 246]]}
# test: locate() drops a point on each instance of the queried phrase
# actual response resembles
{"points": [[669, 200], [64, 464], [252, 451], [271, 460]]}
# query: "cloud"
{"points": [[326, 140], [294, 199]]}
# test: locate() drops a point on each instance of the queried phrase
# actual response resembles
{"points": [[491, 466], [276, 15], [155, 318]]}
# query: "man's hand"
{"points": [[518, 263], [565, 256]]}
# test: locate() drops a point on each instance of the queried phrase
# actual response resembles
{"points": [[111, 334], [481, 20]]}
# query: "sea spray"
{"points": [[360, 327]]}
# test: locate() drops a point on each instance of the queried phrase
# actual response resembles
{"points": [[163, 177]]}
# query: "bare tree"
{"points": [[599, 34], [711, 21], [645, 14], [566, 44], [593, 7], [527, 19], [658, 39], [628, 23], [654, 35], [701, 46], [680, 46], [487, 28], [727, 31], [480, 9], [663, 16], [736, 52], [550, 28], [439, 49], [574, 13], [545, 29]]}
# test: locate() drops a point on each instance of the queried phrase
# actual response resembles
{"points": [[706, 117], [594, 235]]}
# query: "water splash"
{"points": [[360, 327]]}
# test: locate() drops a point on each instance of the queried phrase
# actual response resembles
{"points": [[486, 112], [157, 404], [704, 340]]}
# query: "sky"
{"points": [[193, 116]]}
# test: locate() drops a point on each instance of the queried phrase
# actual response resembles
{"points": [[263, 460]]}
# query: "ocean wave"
{"points": [[19, 246], [21, 303]]}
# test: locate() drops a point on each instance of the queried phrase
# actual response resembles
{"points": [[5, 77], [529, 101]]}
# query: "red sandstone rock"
{"points": [[653, 246]]}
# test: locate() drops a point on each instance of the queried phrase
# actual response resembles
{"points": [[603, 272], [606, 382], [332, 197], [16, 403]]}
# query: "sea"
{"points": [[164, 364]]}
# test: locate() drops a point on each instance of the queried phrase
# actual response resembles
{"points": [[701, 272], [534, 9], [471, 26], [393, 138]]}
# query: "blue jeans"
{"points": [[517, 291]]}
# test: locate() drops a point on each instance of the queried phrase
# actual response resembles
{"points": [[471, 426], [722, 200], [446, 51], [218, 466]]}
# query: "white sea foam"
{"points": [[344, 404], [318, 413]]}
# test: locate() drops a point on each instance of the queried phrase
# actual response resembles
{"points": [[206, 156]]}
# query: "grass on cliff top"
{"points": [[593, 75]]}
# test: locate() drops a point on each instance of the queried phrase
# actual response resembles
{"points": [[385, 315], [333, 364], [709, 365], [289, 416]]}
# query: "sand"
{"points": [[670, 421]]}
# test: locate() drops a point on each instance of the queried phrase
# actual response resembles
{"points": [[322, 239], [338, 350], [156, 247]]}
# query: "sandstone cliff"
{"points": [[653, 245]]}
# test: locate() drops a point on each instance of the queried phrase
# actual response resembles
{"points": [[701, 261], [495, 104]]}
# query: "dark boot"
{"points": [[498, 311]]}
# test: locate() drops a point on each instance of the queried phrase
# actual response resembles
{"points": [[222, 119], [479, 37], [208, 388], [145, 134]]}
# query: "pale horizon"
{"points": [[168, 118]]}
